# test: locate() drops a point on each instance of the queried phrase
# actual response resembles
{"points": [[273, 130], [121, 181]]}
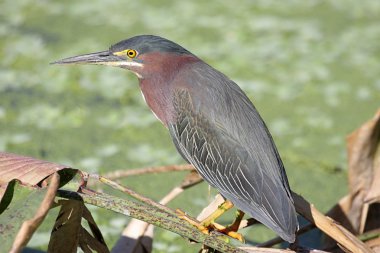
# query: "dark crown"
{"points": [[148, 43]]}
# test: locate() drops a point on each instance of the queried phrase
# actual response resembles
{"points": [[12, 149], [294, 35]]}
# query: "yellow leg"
{"points": [[235, 225], [222, 208], [208, 223]]}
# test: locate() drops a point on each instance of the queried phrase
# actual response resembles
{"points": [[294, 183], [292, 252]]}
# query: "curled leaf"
{"points": [[30, 170]]}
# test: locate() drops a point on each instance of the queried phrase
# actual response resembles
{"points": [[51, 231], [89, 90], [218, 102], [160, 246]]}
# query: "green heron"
{"points": [[213, 125]]}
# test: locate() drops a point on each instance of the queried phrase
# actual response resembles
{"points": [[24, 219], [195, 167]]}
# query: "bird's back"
{"points": [[220, 132]]}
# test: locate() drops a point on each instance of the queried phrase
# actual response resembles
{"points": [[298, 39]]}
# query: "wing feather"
{"points": [[218, 130]]}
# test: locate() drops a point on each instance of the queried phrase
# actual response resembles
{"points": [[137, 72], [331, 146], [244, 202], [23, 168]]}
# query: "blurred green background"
{"points": [[310, 67]]}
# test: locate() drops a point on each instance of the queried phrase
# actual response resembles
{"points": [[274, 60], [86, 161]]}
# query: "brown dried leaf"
{"points": [[90, 244], [329, 226], [26, 169], [3, 188], [97, 237], [68, 232], [65, 234], [374, 244], [373, 194], [357, 211], [364, 173], [364, 159], [359, 152]]}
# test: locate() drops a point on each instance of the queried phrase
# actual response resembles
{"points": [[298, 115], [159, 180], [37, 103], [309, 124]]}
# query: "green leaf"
{"points": [[24, 204]]}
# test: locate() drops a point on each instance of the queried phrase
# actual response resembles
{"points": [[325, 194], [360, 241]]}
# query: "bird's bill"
{"points": [[98, 58], [93, 58]]}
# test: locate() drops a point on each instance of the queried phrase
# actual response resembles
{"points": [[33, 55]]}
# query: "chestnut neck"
{"points": [[158, 81]]}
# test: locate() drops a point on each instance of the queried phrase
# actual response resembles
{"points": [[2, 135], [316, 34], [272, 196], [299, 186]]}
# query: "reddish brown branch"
{"points": [[148, 170]]}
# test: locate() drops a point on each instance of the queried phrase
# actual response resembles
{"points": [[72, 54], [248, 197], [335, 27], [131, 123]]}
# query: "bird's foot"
{"points": [[207, 226], [182, 215], [232, 234], [234, 227]]}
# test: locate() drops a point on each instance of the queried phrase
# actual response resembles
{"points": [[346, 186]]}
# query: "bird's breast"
{"points": [[157, 98], [142, 93]]}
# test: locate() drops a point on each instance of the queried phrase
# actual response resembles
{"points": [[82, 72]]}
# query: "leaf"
{"points": [[30, 226], [364, 158], [31, 171], [66, 226], [330, 227], [24, 196], [99, 242], [29, 204], [363, 147], [69, 226]]}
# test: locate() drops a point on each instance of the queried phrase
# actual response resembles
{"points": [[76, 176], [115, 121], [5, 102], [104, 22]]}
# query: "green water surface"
{"points": [[310, 67]]}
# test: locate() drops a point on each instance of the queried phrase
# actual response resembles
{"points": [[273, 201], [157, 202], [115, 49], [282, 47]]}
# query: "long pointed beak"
{"points": [[100, 58]]}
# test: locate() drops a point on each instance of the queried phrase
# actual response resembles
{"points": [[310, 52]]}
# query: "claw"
{"points": [[207, 226], [236, 236], [182, 215]]}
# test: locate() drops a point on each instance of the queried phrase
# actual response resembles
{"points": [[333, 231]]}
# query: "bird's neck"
{"points": [[157, 87], [156, 97]]}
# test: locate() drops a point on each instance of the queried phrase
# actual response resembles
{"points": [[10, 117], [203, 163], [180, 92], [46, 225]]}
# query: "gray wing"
{"points": [[233, 151]]}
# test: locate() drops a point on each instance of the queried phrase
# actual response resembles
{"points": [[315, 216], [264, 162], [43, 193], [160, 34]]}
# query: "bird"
{"points": [[213, 125]]}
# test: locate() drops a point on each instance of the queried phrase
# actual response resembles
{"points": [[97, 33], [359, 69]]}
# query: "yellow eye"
{"points": [[131, 53]]}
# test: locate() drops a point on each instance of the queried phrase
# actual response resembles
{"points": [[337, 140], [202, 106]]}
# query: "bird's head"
{"points": [[143, 55]]}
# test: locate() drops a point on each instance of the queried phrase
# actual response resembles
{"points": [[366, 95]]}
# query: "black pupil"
{"points": [[131, 53]]}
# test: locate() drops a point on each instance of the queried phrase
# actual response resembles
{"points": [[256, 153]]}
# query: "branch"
{"points": [[149, 170], [138, 235], [132, 193], [173, 223], [156, 217]]}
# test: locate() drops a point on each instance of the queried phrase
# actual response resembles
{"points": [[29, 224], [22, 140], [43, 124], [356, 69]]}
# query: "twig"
{"points": [[329, 226], [189, 181], [149, 170], [132, 193]]}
